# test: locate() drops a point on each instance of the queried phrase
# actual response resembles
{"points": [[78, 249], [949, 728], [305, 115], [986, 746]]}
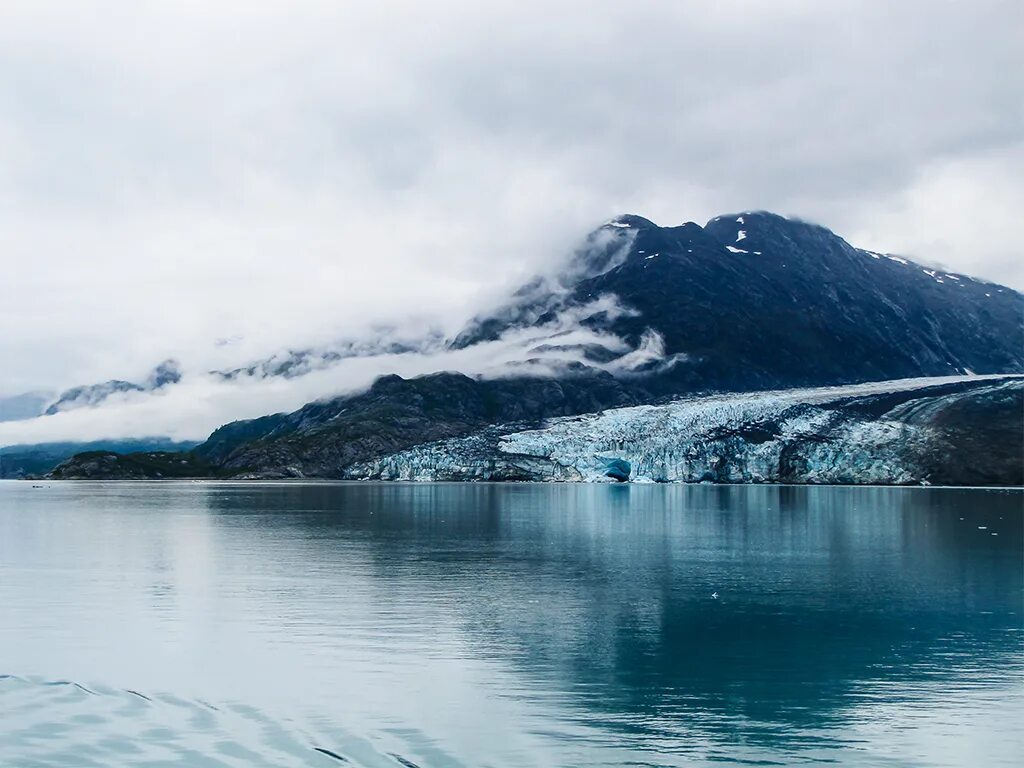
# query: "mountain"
{"points": [[396, 413], [393, 414], [167, 372], [32, 460], [644, 315], [379, 340], [756, 301]]}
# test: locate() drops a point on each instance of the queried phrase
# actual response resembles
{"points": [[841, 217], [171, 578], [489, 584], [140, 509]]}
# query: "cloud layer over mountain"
{"points": [[219, 182]]}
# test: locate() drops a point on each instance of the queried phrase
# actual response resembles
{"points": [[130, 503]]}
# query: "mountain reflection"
{"points": [[599, 599]]}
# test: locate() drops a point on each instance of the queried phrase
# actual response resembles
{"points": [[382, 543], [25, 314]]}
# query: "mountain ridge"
{"points": [[716, 293], [747, 302]]}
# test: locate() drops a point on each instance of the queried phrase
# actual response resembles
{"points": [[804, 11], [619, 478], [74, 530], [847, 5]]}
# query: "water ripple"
{"points": [[66, 723]]}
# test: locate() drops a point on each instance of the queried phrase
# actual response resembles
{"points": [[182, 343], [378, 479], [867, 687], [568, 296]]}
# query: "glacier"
{"points": [[894, 432]]}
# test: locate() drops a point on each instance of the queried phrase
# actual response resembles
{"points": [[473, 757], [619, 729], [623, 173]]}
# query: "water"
{"points": [[201, 624]]}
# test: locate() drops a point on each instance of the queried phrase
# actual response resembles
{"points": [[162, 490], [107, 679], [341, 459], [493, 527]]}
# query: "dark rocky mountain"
{"points": [[755, 301], [748, 302]]}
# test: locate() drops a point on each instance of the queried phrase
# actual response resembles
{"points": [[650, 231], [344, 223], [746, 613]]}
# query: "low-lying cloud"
{"points": [[191, 408]]}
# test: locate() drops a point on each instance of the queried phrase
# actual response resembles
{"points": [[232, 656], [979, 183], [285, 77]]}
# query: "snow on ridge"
{"points": [[735, 250], [741, 235]]}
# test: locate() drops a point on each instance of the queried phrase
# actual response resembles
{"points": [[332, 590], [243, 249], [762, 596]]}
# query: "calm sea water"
{"points": [[201, 624]]}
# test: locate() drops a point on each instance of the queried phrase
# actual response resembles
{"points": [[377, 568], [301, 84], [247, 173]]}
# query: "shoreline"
{"points": [[515, 483]]}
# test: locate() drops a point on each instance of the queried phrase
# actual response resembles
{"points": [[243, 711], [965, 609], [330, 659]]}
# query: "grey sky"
{"points": [[281, 174]]}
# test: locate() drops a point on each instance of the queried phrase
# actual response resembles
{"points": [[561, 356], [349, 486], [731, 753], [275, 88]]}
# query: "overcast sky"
{"points": [[174, 174]]}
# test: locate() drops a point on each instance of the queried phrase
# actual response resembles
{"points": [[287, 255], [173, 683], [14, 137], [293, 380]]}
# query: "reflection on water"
{"points": [[470, 625]]}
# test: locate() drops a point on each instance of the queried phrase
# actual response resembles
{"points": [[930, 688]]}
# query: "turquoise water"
{"points": [[202, 624]]}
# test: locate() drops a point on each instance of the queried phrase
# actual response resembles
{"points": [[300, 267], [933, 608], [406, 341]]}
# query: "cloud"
{"points": [[284, 175], [195, 405]]}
